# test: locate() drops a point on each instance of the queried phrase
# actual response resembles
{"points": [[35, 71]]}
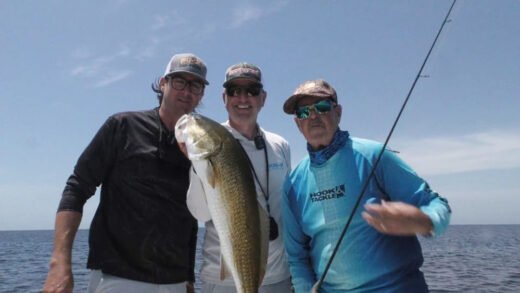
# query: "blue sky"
{"points": [[67, 65]]}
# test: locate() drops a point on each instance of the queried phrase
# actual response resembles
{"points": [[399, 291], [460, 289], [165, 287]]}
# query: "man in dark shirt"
{"points": [[142, 237]]}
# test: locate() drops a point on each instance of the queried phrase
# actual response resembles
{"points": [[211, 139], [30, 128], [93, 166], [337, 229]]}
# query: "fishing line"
{"points": [[372, 172]]}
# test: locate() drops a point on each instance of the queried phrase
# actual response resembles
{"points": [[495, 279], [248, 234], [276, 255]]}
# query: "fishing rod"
{"points": [[317, 286]]}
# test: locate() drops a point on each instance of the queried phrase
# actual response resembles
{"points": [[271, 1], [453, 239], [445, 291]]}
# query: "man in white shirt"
{"points": [[269, 153]]}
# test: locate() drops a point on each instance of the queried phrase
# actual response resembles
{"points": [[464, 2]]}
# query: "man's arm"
{"points": [[297, 248], [60, 278], [92, 168], [397, 218], [414, 207]]}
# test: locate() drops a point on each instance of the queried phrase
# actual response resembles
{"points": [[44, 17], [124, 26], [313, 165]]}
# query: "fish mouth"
{"points": [[194, 137], [181, 126]]}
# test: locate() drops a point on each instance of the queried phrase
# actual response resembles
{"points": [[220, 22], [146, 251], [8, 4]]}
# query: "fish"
{"points": [[242, 224]]}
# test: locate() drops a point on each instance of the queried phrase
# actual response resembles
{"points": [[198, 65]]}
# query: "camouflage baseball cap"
{"points": [[187, 63], [243, 70], [313, 88]]}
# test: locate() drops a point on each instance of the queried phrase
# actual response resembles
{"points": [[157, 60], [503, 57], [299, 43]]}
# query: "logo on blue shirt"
{"points": [[332, 193]]}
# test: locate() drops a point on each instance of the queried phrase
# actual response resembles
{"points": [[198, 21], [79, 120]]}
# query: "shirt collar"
{"points": [[321, 156], [239, 135]]}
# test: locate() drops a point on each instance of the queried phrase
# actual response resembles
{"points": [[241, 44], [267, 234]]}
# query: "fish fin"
{"points": [[211, 174], [224, 271], [264, 241]]}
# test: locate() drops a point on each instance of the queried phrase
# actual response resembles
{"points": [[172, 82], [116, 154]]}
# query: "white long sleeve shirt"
{"points": [[279, 160]]}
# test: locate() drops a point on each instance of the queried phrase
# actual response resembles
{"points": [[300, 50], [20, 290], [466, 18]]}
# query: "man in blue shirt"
{"points": [[380, 251]]}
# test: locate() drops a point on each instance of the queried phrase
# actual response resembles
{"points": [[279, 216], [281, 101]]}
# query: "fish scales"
{"points": [[241, 208]]}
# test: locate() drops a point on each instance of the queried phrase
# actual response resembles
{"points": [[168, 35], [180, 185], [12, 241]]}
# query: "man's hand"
{"points": [[182, 147], [189, 287], [59, 279], [397, 218]]}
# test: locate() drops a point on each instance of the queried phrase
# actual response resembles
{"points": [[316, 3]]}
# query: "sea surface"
{"points": [[467, 258]]}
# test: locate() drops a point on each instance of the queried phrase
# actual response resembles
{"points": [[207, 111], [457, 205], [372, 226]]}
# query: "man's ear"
{"points": [[297, 121], [339, 111], [162, 83], [224, 97], [264, 97]]}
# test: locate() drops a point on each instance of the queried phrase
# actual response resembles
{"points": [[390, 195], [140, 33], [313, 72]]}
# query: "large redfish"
{"points": [[242, 224]]}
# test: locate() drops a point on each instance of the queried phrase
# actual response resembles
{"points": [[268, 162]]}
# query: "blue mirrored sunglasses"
{"points": [[320, 107]]}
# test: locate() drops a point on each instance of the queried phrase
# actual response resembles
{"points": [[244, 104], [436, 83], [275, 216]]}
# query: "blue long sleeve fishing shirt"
{"points": [[320, 195]]}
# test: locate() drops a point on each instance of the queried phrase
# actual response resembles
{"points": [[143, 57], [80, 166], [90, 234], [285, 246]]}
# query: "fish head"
{"points": [[199, 134]]}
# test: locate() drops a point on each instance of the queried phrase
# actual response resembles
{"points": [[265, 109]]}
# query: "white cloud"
{"points": [[161, 29], [247, 12], [101, 70], [170, 20], [81, 53], [244, 14], [148, 51], [492, 150], [124, 51], [90, 67], [160, 21], [112, 77], [120, 2]]}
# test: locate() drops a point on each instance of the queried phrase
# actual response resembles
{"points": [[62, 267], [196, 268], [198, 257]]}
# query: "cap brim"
{"points": [[190, 73], [225, 84], [289, 106]]}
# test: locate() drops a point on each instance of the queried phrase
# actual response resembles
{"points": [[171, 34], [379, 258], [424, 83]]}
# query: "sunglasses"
{"points": [[320, 107], [236, 91]]}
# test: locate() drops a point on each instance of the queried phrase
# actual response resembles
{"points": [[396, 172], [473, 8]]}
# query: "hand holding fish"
{"points": [[397, 218], [182, 147]]}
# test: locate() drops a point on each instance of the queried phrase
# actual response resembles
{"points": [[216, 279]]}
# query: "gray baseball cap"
{"points": [[243, 70], [187, 63]]}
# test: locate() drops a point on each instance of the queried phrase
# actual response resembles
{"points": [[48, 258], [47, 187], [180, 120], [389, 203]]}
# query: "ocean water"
{"points": [[467, 258]]}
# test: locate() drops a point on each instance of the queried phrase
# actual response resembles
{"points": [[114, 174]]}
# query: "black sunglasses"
{"points": [[180, 84], [320, 107], [250, 91]]}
